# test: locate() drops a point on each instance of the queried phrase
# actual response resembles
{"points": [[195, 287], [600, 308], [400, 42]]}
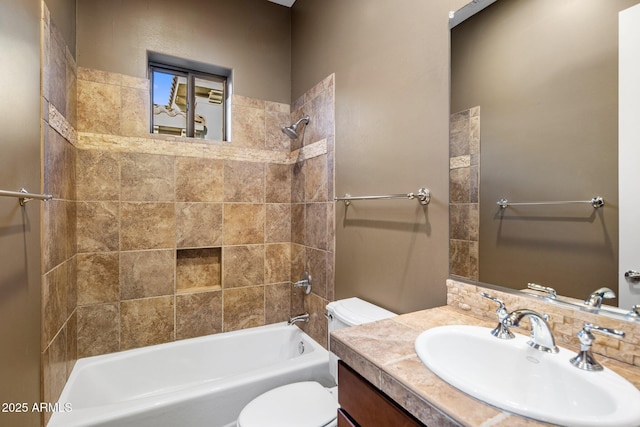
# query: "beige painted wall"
{"points": [[20, 228], [253, 39], [545, 78], [391, 62]]}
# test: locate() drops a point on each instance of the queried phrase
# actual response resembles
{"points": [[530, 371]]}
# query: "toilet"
{"points": [[308, 403]]}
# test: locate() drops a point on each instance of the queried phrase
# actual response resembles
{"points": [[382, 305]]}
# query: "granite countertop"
{"points": [[383, 353]]}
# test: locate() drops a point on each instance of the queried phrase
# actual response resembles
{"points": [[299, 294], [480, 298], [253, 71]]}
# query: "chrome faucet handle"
{"points": [[304, 282], [502, 330], [584, 359], [595, 298], [634, 312], [540, 288]]}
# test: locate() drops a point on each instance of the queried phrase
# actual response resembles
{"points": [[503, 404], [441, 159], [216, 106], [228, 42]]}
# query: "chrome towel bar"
{"points": [[596, 202], [24, 196], [423, 195]]}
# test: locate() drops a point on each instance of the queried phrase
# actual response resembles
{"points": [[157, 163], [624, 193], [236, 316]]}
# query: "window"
{"points": [[188, 103]]}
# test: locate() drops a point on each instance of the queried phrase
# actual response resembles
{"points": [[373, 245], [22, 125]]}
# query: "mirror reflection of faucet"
{"points": [[595, 298], [593, 303]]}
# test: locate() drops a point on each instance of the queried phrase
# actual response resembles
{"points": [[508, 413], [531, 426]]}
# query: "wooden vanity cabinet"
{"points": [[363, 405]]}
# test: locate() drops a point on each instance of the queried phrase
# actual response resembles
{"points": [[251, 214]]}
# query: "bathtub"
{"points": [[197, 382]]}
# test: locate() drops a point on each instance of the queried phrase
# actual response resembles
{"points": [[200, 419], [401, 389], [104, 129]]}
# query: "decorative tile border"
{"points": [[189, 147], [60, 124]]}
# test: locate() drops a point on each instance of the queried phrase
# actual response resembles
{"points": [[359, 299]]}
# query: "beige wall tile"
{"points": [[54, 302], [243, 266], [316, 266], [277, 263], [147, 274], [243, 182], [278, 223], [199, 180], [298, 183], [59, 165], [298, 223], [56, 224], [98, 226], [317, 326], [98, 278], [99, 76], [98, 329], [98, 175], [278, 183], [198, 314], [459, 257], [146, 321], [243, 223], [316, 225], [459, 185], [55, 367], [98, 107], [146, 225], [316, 189], [248, 124], [277, 301], [322, 112], [198, 224], [243, 308], [275, 138], [134, 116], [146, 177]]}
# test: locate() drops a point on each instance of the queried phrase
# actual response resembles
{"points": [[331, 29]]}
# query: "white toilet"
{"points": [[308, 403]]}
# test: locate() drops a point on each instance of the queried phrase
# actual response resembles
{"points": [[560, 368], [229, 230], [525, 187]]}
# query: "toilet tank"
{"points": [[354, 311], [350, 312]]}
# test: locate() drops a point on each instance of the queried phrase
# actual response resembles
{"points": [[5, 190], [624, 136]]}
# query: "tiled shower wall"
{"points": [[180, 238], [152, 238], [58, 315], [312, 209], [464, 178]]}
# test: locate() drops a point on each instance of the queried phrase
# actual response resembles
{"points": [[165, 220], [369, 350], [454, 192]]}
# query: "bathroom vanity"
{"points": [[380, 359], [362, 404]]}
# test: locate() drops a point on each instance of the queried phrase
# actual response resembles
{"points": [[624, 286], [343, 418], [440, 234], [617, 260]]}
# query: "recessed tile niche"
{"points": [[198, 269]]}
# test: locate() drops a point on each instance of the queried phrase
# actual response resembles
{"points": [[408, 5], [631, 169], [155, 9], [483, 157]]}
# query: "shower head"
{"points": [[290, 131]]}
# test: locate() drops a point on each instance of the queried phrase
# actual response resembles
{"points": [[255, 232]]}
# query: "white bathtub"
{"points": [[198, 382]]}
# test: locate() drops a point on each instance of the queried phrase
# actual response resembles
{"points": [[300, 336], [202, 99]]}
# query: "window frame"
{"points": [[191, 76]]}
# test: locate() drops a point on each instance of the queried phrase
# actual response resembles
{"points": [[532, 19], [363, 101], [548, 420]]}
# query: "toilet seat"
{"points": [[302, 404]]}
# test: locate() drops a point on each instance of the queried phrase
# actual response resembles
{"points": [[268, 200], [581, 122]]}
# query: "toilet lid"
{"points": [[303, 404]]}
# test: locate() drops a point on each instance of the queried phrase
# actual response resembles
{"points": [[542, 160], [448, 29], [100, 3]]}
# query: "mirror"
{"points": [[544, 78]]}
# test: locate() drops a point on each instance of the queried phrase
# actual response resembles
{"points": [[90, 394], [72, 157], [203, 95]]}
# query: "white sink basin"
{"points": [[512, 376]]}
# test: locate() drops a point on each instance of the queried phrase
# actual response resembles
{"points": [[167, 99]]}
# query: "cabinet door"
{"points": [[368, 406]]}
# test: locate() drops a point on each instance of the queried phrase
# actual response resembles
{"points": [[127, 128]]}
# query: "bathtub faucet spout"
{"points": [[301, 318]]}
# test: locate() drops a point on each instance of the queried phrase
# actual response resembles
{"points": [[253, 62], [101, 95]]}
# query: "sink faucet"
{"points": [[300, 318], [584, 359], [541, 336], [595, 298], [502, 330]]}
